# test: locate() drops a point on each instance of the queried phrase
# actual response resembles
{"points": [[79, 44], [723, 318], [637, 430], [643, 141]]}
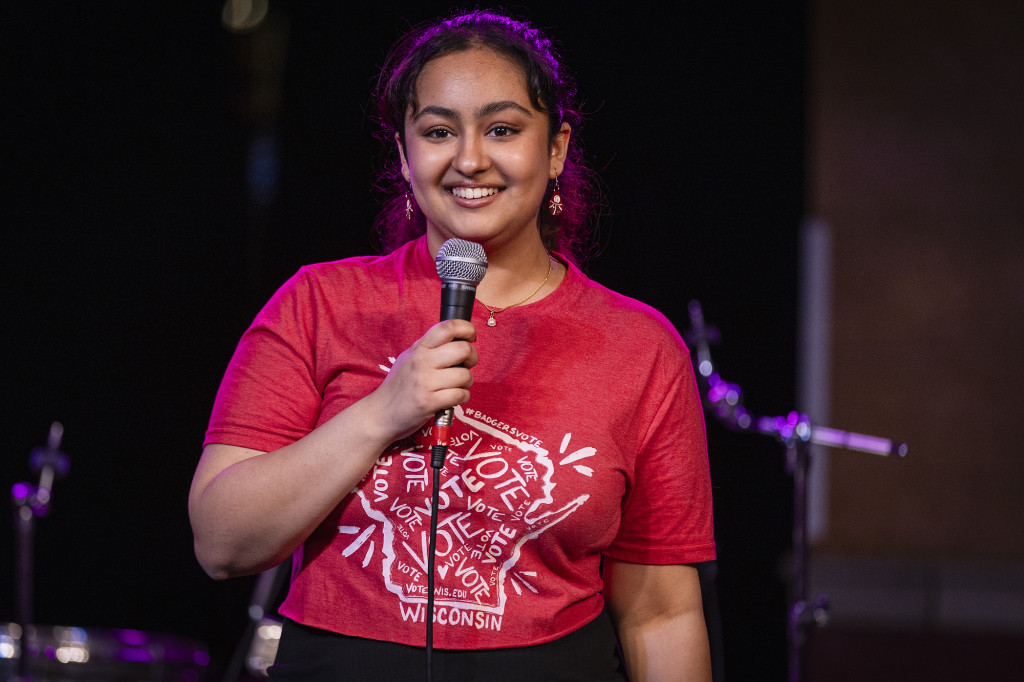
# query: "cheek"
{"points": [[530, 165], [424, 163]]}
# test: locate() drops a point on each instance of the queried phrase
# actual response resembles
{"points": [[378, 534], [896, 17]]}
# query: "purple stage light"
{"points": [[135, 655], [20, 491]]}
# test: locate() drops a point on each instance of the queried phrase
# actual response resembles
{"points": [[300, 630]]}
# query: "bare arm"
{"points": [[659, 618], [251, 509]]}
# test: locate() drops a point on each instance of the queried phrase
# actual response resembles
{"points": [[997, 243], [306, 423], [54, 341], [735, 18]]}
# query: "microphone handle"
{"points": [[456, 304], [457, 300]]}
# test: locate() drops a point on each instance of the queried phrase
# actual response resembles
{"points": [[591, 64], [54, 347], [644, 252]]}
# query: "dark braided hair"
{"points": [[551, 90]]}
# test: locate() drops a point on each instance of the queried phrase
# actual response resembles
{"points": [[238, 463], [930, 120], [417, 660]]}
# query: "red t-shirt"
{"points": [[583, 436]]}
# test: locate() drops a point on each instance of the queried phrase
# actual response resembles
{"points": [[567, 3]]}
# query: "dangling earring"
{"points": [[408, 206], [555, 205]]}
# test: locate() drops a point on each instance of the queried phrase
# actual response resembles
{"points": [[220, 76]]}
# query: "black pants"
{"points": [[587, 655]]}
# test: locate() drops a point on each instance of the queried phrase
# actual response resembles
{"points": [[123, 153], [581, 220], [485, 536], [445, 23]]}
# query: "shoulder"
{"points": [[321, 290], [407, 263], [628, 317], [405, 260]]}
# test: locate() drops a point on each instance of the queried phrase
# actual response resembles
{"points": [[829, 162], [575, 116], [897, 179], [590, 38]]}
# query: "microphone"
{"points": [[460, 265]]}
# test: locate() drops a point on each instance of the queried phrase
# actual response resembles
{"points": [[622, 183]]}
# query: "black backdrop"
{"points": [[133, 257]]}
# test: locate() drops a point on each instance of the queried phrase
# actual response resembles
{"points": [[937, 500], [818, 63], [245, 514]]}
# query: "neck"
{"points": [[514, 271], [510, 279]]}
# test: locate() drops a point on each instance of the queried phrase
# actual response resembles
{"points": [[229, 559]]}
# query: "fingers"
{"points": [[430, 375], [449, 344], [449, 330], [450, 378], [438, 364], [459, 329], [451, 354]]}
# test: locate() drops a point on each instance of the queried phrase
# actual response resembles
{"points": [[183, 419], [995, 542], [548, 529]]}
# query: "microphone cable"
{"points": [[438, 452]]}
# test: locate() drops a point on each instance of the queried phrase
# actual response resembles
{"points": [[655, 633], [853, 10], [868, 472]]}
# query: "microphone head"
{"points": [[461, 261]]}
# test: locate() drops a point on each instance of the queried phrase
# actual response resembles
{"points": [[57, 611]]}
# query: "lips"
{"points": [[474, 192]]}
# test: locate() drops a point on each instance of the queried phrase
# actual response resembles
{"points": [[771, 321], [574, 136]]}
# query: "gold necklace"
{"points": [[494, 311]]}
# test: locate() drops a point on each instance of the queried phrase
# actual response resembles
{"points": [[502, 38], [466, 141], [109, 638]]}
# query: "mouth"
{"points": [[474, 192]]}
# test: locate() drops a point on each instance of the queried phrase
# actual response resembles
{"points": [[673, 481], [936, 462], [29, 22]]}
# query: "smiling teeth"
{"points": [[473, 192]]}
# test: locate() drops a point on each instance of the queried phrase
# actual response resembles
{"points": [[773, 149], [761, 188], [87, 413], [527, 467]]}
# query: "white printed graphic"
{"points": [[497, 493]]}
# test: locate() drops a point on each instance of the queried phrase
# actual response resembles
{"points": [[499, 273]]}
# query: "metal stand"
{"points": [[268, 585], [725, 402], [32, 502], [803, 616]]}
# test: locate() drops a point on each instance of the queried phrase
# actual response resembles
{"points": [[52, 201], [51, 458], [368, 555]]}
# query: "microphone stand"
{"points": [[32, 501], [461, 265], [796, 432], [268, 585], [440, 434]]}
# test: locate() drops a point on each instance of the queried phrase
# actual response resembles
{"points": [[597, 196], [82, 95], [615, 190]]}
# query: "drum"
{"points": [[58, 653]]}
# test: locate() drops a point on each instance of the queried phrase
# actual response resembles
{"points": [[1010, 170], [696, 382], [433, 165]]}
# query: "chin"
{"points": [[487, 231], [482, 233]]}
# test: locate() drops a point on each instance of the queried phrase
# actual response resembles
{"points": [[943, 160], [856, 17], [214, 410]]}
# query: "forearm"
{"points": [[659, 617], [251, 510], [673, 648]]}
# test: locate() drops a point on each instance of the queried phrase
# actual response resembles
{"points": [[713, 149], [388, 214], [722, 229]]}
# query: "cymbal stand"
{"points": [[795, 431], [32, 501]]}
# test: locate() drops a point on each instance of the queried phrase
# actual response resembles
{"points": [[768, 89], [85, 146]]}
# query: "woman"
{"points": [[577, 475]]}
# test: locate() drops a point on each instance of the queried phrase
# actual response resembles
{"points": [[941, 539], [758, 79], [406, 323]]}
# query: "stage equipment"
{"points": [[32, 501], [30, 652], [42, 653], [724, 401], [257, 648]]}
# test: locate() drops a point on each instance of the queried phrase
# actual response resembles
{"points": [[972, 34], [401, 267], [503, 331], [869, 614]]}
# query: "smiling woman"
{"points": [[479, 159], [575, 496], [548, 88]]}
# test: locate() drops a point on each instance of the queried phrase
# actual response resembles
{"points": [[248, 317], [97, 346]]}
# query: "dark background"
{"points": [[134, 256]]}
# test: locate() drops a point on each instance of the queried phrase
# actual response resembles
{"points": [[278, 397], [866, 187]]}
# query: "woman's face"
{"points": [[477, 153]]}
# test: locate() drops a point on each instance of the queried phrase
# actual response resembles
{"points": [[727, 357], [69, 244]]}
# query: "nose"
{"points": [[470, 156]]}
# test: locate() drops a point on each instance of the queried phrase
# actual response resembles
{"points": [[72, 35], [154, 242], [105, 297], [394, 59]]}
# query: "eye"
{"points": [[503, 131], [438, 133]]}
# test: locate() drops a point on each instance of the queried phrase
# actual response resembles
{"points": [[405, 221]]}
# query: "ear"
{"points": [[401, 155], [559, 150]]}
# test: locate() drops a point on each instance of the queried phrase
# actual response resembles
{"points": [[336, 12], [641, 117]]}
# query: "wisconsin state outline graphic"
{"points": [[497, 493]]}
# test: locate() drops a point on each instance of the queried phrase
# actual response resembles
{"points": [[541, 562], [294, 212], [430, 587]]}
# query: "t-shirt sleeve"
{"points": [[667, 513], [268, 397]]}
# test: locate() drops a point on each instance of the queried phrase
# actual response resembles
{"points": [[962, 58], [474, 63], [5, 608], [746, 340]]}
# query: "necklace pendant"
{"points": [[491, 322]]}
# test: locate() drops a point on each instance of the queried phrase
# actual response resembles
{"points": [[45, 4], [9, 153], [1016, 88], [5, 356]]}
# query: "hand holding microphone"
{"points": [[433, 373], [460, 265]]}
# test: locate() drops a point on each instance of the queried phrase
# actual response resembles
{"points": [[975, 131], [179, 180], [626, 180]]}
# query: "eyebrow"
{"points": [[486, 110]]}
